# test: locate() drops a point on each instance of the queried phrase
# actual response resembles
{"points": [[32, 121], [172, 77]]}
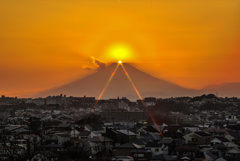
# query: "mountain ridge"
{"points": [[120, 86], [228, 89]]}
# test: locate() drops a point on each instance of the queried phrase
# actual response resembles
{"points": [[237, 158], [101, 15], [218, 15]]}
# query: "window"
{"points": [[138, 155], [156, 150]]}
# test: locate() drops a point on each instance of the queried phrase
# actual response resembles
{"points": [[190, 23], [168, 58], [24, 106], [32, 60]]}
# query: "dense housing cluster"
{"points": [[69, 128]]}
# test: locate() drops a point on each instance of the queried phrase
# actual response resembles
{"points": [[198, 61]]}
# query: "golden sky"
{"points": [[47, 43]]}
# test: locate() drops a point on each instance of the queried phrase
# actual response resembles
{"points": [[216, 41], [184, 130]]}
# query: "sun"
{"points": [[119, 52]]}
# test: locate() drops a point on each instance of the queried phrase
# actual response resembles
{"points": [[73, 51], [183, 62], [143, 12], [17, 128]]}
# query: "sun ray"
{"points": [[105, 87], [134, 87]]}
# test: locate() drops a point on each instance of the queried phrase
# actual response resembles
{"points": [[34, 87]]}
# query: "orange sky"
{"points": [[47, 43]]}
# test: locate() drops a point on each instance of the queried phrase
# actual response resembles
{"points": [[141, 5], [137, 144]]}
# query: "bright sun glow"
{"points": [[119, 62], [119, 52]]}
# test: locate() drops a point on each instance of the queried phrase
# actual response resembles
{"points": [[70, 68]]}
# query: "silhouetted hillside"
{"points": [[120, 86]]}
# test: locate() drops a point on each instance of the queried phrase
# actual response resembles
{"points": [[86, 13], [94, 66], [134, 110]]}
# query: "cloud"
{"points": [[86, 67], [100, 64], [95, 64]]}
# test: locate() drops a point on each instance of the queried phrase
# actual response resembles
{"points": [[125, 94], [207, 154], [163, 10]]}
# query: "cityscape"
{"points": [[64, 127], [119, 80]]}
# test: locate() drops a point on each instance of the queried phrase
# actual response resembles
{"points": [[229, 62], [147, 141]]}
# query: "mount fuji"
{"points": [[120, 86]]}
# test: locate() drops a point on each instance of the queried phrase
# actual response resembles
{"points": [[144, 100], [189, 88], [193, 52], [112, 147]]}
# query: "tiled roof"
{"points": [[53, 146], [150, 129], [84, 133], [129, 145], [150, 137], [234, 134], [140, 150], [163, 157], [126, 132], [154, 144], [202, 134], [223, 139], [48, 154], [100, 139], [218, 130], [187, 148]]}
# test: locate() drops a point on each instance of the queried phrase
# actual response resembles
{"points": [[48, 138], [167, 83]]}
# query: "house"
{"points": [[122, 158], [3, 152], [219, 149], [62, 138], [230, 145], [162, 157], [45, 155], [75, 132], [218, 140], [191, 128], [157, 148], [150, 137], [177, 137], [126, 149], [216, 132], [187, 150], [90, 147], [185, 158], [233, 136], [201, 138], [140, 142], [124, 136], [188, 137], [50, 139], [170, 143], [109, 125], [21, 143], [94, 127], [17, 129], [17, 149], [83, 135], [226, 158], [203, 149], [95, 134], [233, 152], [102, 141], [197, 138], [173, 129], [6, 151], [146, 129], [209, 156], [141, 154], [54, 147]]}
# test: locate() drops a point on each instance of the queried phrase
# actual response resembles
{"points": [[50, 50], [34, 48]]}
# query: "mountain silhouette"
{"points": [[120, 86], [224, 89]]}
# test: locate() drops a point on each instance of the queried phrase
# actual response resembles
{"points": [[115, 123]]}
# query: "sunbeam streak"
{"points": [[109, 80], [134, 87]]}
